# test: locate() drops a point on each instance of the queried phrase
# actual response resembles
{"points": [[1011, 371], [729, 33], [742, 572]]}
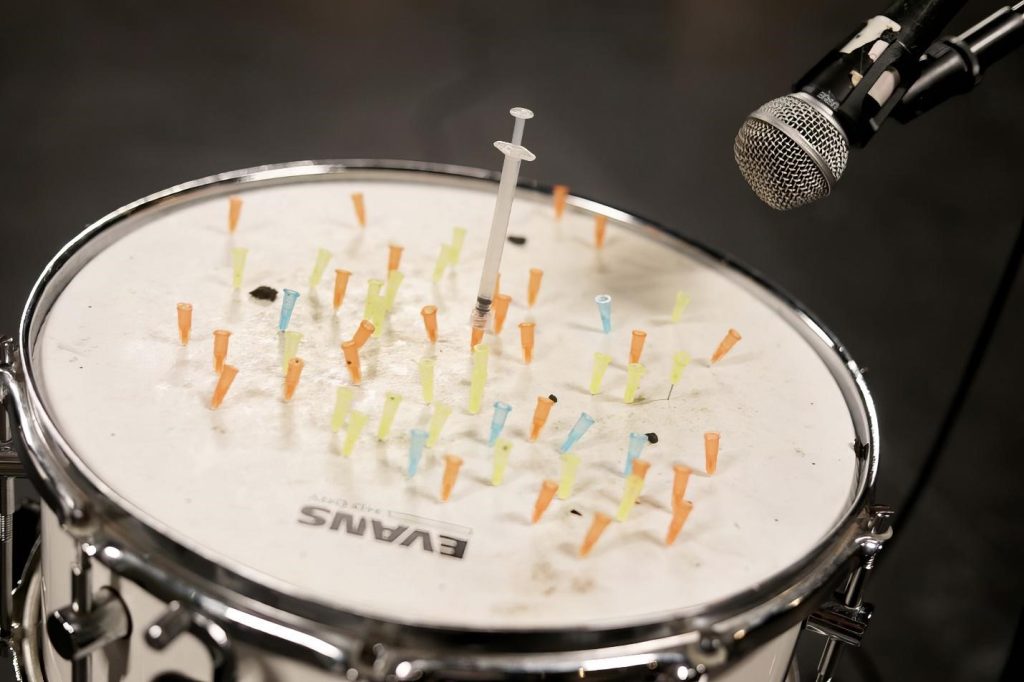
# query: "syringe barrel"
{"points": [[496, 242]]}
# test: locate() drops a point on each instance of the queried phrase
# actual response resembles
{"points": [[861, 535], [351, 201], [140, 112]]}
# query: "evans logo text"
{"points": [[398, 534]]}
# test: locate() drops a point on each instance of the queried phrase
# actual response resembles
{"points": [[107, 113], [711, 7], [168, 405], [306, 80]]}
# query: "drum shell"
{"points": [[134, 658], [767, 662]]}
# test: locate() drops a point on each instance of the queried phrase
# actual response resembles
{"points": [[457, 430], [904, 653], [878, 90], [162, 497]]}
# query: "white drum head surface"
{"points": [[260, 485]]}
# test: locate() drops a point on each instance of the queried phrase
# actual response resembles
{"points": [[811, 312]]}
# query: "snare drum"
{"points": [[256, 542]]}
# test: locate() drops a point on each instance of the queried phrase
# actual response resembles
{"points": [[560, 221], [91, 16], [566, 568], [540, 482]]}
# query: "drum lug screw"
{"points": [[881, 519], [685, 673], [177, 619], [78, 521], [167, 627], [11, 464], [707, 653], [7, 351]]}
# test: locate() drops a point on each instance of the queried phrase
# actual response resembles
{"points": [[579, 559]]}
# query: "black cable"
{"points": [[866, 669], [905, 512], [864, 665], [1014, 668]]}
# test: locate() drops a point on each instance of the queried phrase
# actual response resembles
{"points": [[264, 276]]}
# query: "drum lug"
{"points": [[7, 509], [176, 620], [845, 619], [76, 634], [843, 623], [90, 622], [10, 464]]}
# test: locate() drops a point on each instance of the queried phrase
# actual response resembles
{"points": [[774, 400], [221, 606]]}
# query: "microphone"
{"points": [[793, 150]]}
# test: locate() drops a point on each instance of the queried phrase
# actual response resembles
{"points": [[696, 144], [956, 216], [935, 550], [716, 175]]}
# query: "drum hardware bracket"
{"points": [[846, 624], [217, 624], [672, 659], [73, 513], [10, 467], [177, 620], [845, 620], [21, 658], [7, 508], [90, 622]]}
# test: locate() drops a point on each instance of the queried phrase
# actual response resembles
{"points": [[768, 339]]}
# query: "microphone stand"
{"points": [[954, 65], [951, 67]]}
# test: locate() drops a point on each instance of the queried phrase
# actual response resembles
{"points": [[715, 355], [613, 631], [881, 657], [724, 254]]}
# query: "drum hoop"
{"points": [[271, 613]]}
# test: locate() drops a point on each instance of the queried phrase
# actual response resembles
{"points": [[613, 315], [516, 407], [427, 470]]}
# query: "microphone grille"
{"points": [[791, 152]]}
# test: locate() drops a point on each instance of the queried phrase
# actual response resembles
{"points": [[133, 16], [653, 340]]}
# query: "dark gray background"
{"points": [[637, 104]]}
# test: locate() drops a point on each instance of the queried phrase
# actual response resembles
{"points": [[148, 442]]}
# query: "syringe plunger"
{"points": [[515, 154]]}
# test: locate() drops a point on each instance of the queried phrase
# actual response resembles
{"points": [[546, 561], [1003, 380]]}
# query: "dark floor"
{"points": [[637, 105]]}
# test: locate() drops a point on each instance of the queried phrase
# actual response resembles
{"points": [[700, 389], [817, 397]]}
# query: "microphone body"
{"points": [[793, 150], [866, 77]]}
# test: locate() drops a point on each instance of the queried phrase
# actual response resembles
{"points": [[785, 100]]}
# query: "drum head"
{"points": [[261, 487]]}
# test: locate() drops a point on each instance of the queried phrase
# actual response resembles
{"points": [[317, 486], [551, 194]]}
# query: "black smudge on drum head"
{"points": [[264, 293]]}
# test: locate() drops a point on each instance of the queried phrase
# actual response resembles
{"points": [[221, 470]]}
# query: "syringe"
{"points": [[515, 154]]}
